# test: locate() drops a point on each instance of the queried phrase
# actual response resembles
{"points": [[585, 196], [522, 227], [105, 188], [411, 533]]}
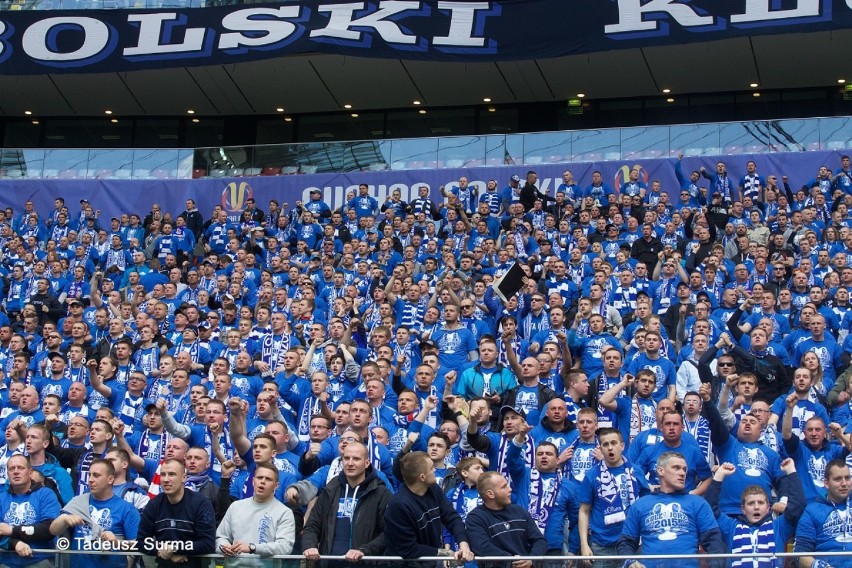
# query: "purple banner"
{"points": [[113, 197]]}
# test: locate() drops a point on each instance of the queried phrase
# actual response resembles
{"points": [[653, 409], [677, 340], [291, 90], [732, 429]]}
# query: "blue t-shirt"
{"points": [[669, 523], [663, 369], [610, 491], [825, 527], [29, 509], [454, 346], [697, 467], [114, 515], [756, 465]]}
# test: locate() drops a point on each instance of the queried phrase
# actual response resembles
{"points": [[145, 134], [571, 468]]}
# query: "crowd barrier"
{"points": [[670, 560]]}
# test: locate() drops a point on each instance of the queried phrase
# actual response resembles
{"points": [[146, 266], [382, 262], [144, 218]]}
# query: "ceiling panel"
{"points": [[318, 83], [459, 83], [525, 80], [706, 67], [816, 56], [168, 92], [288, 82], [31, 92], [111, 94], [367, 83], [226, 94], [598, 75]]}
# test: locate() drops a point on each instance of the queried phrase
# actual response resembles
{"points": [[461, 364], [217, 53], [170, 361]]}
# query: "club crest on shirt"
{"points": [[667, 521]]}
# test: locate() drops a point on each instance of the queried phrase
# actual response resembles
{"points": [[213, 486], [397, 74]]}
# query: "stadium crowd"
{"points": [[668, 374]]}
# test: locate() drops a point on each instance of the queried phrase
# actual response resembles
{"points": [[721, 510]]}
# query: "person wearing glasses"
{"points": [[536, 320]]}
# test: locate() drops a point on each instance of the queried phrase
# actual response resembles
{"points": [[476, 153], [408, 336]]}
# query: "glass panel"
{"points": [[273, 160], [13, 164], [639, 143], [66, 164], [105, 164], [743, 137], [694, 139], [596, 145], [835, 133], [547, 148], [322, 157], [184, 164], [384, 148], [514, 149], [414, 154], [496, 150], [793, 135], [461, 152], [154, 164], [34, 163]]}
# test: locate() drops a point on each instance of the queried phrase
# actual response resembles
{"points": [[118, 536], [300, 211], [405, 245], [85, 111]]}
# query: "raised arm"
{"points": [[237, 425], [719, 433]]}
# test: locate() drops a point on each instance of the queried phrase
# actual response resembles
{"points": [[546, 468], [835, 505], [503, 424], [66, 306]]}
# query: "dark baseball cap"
{"points": [[506, 409]]}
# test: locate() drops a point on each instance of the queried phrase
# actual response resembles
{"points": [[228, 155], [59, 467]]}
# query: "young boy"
{"points": [[755, 530], [461, 492]]}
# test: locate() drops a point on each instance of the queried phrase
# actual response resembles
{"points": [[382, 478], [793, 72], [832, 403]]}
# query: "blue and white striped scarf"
{"points": [[752, 540], [624, 299]]}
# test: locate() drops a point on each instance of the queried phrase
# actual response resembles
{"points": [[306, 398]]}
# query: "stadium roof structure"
{"points": [[50, 65]]}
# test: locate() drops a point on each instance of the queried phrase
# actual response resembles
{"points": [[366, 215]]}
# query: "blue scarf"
{"points": [[196, 482], [625, 299], [543, 493], [310, 407], [754, 539], [618, 496]]}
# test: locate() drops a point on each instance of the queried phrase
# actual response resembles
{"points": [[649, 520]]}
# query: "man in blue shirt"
{"points": [[663, 369], [455, 342], [99, 515], [606, 494], [825, 525], [28, 509], [670, 521], [362, 203]]}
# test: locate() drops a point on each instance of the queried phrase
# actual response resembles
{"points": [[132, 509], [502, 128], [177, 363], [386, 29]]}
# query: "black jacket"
{"points": [[54, 312], [368, 521], [191, 522], [772, 377], [647, 252], [529, 195]]}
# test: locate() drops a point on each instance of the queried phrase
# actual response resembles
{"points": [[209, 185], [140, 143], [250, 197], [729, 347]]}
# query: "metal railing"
{"points": [[671, 559]]}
